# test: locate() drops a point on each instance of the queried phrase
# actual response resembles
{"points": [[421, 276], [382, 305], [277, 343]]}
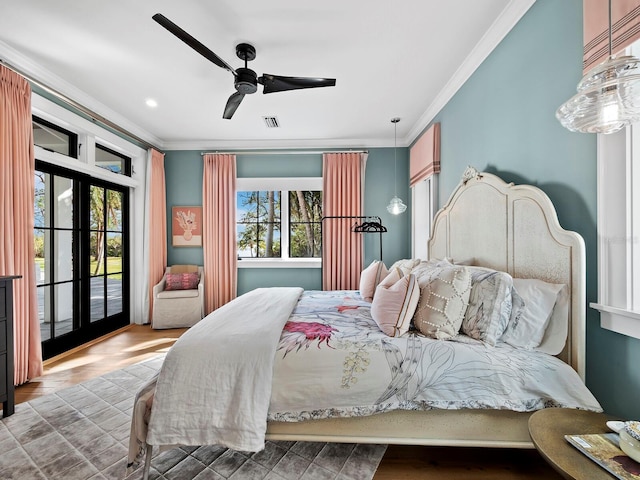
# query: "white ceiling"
{"points": [[402, 58]]}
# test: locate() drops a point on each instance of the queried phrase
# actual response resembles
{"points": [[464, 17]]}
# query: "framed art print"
{"points": [[186, 226]]}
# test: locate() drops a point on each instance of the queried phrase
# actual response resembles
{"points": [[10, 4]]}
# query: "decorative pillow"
{"points": [[395, 302], [444, 296], [527, 328], [405, 264], [181, 281], [490, 305], [370, 278]]}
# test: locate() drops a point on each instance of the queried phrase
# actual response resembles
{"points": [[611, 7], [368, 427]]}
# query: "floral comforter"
{"points": [[333, 361]]}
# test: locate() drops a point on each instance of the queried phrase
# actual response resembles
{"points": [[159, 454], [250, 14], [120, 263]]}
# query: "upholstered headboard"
{"points": [[515, 229]]}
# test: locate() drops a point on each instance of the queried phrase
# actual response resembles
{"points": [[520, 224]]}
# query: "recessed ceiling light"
{"points": [[151, 103]]}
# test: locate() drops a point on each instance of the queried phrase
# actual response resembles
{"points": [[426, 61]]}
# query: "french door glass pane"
{"points": [[63, 202], [96, 208], [63, 308], [41, 245], [114, 294], [97, 298], [41, 181], [114, 252], [63, 243], [44, 314]]}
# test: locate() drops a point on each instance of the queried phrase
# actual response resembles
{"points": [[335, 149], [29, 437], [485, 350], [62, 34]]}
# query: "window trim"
{"points": [[617, 298], [284, 185]]}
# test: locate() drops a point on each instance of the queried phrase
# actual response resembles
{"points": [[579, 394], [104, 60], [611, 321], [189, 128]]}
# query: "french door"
{"points": [[81, 264]]}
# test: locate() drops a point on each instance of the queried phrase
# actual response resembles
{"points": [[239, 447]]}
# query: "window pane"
{"points": [[97, 298], [96, 208], [114, 252], [63, 202], [40, 243], [258, 227], [112, 161], [44, 313], [53, 138], [305, 232], [114, 211], [114, 294], [63, 255], [40, 201], [63, 309], [96, 252]]}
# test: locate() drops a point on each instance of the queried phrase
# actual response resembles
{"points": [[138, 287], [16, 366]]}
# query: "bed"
{"points": [[486, 223]]}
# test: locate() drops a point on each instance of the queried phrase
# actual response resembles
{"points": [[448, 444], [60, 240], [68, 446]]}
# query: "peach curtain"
{"points": [[625, 23], [157, 223], [219, 232], [342, 196], [424, 155], [17, 170]]}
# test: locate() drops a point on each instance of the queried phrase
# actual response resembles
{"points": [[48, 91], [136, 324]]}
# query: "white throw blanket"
{"points": [[215, 384]]}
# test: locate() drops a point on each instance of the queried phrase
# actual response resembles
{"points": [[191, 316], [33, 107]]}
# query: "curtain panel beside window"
{"points": [[17, 184], [157, 223], [625, 22], [219, 230], [342, 251]]}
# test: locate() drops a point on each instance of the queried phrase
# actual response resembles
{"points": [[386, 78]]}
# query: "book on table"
{"points": [[604, 449]]}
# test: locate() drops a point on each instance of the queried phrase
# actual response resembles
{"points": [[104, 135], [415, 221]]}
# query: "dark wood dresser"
{"points": [[6, 345]]}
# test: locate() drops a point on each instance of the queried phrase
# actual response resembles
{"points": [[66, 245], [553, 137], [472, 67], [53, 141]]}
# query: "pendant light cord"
{"points": [[610, 29], [395, 121]]}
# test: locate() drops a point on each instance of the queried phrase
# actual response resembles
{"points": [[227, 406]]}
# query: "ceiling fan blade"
{"points": [[277, 83], [192, 42], [232, 105]]}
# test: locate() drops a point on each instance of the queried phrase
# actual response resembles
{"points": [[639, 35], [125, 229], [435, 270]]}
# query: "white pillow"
{"points": [[406, 264], [370, 278], [395, 302], [527, 328], [444, 296]]}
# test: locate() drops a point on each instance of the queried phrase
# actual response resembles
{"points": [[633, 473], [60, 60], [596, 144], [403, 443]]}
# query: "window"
{"points": [[279, 220], [112, 160], [53, 138], [619, 230], [258, 224]]}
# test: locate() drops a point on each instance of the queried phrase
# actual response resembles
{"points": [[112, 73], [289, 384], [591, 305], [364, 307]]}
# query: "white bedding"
{"points": [[267, 355], [333, 361], [215, 383]]}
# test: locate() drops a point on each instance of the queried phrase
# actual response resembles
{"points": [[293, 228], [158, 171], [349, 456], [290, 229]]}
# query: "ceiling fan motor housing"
{"points": [[246, 81]]}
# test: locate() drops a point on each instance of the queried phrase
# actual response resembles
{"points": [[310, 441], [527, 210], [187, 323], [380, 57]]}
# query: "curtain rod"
{"points": [[72, 103], [282, 152]]}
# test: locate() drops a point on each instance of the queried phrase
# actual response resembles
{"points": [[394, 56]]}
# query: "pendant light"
{"points": [[608, 96], [396, 206]]}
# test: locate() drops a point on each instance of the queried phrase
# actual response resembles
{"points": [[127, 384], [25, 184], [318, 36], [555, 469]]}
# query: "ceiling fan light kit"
{"points": [[245, 80], [608, 97]]}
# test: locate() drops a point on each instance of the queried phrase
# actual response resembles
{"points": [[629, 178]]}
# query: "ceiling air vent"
{"points": [[271, 122]]}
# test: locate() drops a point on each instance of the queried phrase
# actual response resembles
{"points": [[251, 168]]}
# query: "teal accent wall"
{"points": [[503, 121], [183, 171]]}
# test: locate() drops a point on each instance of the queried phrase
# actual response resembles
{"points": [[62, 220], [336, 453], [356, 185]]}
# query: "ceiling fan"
{"points": [[246, 80]]}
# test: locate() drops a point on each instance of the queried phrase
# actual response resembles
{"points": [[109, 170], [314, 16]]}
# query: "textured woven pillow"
{"points": [[370, 278], [406, 264], [444, 296], [395, 302], [490, 305], [181, 281]]}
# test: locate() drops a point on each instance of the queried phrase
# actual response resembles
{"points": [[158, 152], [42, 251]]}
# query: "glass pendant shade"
{"points": [[396, 207], [608, 98]]}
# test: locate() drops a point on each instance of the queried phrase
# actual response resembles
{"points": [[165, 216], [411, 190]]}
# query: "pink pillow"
{"points": [[394, 305], [370, 278], [181, 281]]}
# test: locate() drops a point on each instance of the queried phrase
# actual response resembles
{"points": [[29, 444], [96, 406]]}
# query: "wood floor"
{"points": [[136, 343]]}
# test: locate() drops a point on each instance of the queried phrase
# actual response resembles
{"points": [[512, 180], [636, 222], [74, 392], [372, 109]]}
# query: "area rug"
{"points": [[82, 432]]}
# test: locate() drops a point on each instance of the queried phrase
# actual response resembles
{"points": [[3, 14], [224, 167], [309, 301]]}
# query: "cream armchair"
{"points": [[178, 308]]}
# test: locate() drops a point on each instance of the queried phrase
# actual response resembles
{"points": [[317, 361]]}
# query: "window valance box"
{"points": [[625, 24], [424, 155]]}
